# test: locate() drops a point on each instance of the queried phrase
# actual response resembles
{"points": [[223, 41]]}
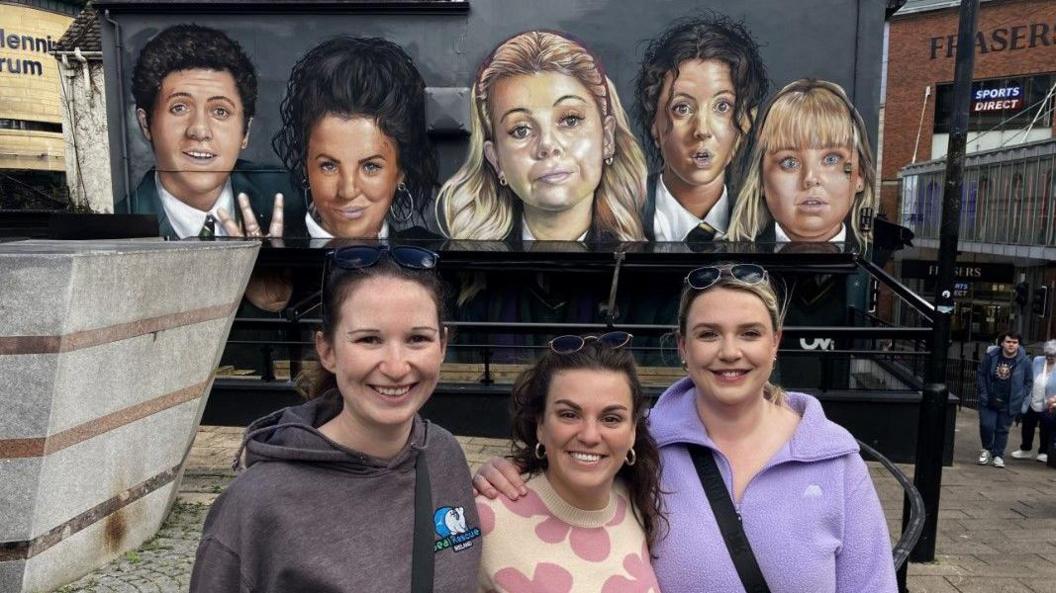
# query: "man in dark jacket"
{"points": [[1003, 379]]}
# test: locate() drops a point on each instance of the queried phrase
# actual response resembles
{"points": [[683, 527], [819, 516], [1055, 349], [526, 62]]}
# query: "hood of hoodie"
{"points": [[674, 420], [292, 435]]}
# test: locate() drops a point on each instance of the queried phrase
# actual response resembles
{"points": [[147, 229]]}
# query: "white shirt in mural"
{"points": [[672, 222]]}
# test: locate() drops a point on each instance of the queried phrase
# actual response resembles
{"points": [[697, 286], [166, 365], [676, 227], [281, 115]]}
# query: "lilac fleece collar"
{"points": [[674, 420]]}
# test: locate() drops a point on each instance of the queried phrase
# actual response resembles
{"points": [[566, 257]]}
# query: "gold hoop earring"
{"points": [[502, 180], [540, 451], [685, 367], [608, 161], [632, 458]]}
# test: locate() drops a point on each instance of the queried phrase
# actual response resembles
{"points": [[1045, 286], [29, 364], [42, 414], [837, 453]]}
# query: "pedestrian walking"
{"points": [[1004, 379], [1036, 410]]}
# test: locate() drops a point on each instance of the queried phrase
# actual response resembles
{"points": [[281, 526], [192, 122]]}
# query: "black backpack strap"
{"points": [[728, 519], [422, 555]]}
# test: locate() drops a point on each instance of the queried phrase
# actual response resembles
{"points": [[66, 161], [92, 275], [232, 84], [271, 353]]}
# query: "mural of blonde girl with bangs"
{"points": [[811, 173], [551, 154]]}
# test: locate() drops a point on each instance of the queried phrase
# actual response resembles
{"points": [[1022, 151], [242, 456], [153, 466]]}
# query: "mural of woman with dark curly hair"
{"points": [[699, 86], [354, 133]]}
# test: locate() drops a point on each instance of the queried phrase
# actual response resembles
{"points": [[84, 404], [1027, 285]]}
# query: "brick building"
{"points": [[1008, 202]]}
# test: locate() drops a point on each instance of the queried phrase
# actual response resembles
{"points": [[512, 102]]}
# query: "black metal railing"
{"points": [[960, 377]]}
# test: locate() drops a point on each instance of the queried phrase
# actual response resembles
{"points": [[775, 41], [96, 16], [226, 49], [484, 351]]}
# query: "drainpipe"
{"points": [[121, 98]]}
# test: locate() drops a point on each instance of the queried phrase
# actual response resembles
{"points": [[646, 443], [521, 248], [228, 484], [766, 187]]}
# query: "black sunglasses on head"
{"points": [[705, 277], [570, 344], [358, 257]]}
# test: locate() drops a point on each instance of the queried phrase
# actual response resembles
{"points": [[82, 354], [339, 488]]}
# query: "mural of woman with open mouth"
{"points": [[700, 84]]}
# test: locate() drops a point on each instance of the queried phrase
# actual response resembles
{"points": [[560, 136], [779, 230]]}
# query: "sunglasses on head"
{"points": [[359, 257], [571, 344], [706, 276]]}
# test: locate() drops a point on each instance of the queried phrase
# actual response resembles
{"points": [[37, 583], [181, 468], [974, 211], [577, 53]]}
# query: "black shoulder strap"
{"points": [[729, 522], [422, 556]]}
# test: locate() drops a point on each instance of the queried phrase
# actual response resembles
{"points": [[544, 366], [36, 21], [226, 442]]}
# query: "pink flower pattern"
{"points": [[591, 544], [642, 580], [548, 578], [487, 517]]}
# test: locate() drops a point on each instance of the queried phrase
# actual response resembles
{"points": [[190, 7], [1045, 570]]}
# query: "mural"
{"points": [[195, 96], [349, 147], [699, 88], [551, 154], [353, 133], [811, 169]]}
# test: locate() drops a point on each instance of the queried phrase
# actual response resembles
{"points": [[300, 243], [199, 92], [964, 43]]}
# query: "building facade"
{"points": [[32, 153], [1006, 238]]}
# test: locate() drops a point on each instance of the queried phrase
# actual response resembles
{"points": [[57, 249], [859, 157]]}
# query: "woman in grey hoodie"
{"points": [[350, 490]]}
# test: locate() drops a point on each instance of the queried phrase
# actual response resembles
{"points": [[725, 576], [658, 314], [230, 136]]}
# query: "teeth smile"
{"points": [[731, 373], [392, 391], [586, 457], [200, 155]]}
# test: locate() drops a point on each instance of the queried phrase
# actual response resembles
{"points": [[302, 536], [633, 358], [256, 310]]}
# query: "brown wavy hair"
{"points": [[529, 403], [338, 287]]}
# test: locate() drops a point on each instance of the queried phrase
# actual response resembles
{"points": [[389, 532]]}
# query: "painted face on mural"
{"points": [[197, 130], [694, 126], [550, 142], [353, 172], [809, 191]]}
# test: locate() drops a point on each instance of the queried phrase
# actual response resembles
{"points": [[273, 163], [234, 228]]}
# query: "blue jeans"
{"points": [[993, 429]]}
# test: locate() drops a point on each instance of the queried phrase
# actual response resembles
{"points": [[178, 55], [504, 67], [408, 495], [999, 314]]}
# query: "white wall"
{"points": [[84, 130]]}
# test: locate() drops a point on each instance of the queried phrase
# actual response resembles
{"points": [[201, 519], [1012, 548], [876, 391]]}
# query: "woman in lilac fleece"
{"points": [[802, 491]]}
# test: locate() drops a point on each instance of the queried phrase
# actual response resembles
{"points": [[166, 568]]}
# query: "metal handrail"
{"points": [[913, 527]]}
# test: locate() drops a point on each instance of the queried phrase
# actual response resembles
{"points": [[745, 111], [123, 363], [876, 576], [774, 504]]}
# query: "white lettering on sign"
{"points": [[1008, 92], [981, 106], [817, 344]]}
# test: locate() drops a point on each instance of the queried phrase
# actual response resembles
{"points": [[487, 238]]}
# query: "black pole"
{"points": [[931, 428]]}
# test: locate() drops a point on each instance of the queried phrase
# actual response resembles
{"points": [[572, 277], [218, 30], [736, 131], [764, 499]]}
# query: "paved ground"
{"points": [[997, 528]]}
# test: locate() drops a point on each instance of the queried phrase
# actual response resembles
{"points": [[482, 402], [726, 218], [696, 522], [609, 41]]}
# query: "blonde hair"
{"points": [[765, 292], [806, 113], [473, 205]]}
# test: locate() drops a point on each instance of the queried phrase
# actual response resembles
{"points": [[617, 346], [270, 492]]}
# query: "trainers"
{"points": [[1021, 454], [984, 457], [998, 462], [1042, 457]]}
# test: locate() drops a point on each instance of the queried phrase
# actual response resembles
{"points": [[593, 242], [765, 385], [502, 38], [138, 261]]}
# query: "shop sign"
{"points": [[1008, 38], [997, 99], [962, 272]]}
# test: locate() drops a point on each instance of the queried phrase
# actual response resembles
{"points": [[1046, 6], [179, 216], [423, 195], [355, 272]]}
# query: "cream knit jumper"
{"points": [[542, 544]]}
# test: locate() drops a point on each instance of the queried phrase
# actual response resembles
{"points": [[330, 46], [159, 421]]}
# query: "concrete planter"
{"points": [[107, 350]]}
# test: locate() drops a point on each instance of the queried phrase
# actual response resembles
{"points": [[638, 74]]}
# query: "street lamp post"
{"points": [[931, 430]]}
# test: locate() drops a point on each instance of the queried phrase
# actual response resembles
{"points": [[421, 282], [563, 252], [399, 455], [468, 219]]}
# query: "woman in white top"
{"points": [[1037, 409]]}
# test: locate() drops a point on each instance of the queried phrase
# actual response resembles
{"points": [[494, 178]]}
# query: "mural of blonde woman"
{"points": [[551, 155], [811, 170]]}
